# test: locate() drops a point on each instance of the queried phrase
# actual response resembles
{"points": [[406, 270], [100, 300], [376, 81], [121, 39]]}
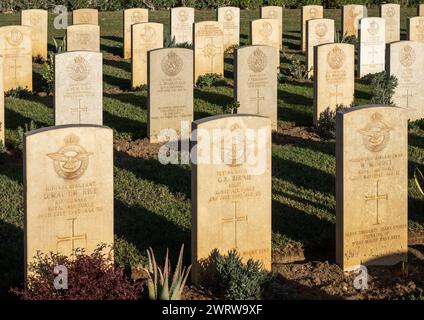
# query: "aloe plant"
{"points": [[158, 283], [418, 175]]}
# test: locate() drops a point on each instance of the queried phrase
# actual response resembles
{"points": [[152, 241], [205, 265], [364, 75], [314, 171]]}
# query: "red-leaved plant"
{"points": [[90, 277]]}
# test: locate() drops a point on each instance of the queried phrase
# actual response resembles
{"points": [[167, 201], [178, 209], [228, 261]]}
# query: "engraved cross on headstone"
{"points": [[257, 99], [72, 237], [337, 94], [227, 38], [377, 197], [79, 109], [235, 220], [15, 68], [407, 96], [373, 52], [210, 51]]}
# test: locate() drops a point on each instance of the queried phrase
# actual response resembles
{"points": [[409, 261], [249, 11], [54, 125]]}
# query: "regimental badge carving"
{"points": [[137, 16], [229, 15], [236, 152], [257, 61], [376, 134], [420, 26], [266, 30], [78, 70], [390, 12], [15, 37], [34, 19], [373, 28], [172, 64], [148, 34], [313, 13], [71, 161], [407, 56], [182, 16], [321, 30], [85, 17], [272, 14], [336, 58]]}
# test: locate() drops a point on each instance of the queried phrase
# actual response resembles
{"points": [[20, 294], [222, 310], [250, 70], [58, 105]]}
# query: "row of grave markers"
{"points": [[85, 36], [78, 97], [68, 183], [71, 205]]}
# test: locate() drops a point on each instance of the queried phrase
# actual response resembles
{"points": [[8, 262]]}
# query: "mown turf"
{"points": [[152, 201]]}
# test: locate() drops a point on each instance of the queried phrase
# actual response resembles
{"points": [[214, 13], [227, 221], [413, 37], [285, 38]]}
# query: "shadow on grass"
{"points": [[176, 177], [145, 229], [229, 74], [137, 129], [137, 100], [11, 258], [416, 140], [120, 64], [116, 51], [313, 232], [303, 176], [327, 147], [213, 97], [123, 84], [14, 120]]}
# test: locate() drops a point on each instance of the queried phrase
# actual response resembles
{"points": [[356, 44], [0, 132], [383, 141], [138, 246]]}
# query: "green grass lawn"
{"points": [[152, 201]]}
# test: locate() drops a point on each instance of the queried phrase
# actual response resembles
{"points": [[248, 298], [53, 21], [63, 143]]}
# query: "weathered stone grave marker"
{"points": [[132, 16], [334, 72], [208, 48], [255, 82], [231, 189], [78, 94], [68, 183], [371, 186], [38, 21], [83, 37], [170, 92]]}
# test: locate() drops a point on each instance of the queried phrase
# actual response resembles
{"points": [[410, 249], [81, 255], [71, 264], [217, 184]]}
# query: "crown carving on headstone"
{"points": [[71, 140]]}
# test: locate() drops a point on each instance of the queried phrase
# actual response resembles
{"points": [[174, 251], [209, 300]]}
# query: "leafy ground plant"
{"points": [[231, 107], [19, 92], [90, 277], [210, 79], [241, 281], [296, 68], [159, 282], [383, 86], [326, 126]]}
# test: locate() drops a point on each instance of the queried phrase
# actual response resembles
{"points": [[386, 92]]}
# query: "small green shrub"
{"points": [[27, 127], [48, 73], [383, 87], [210, 79], [240, 281], [171, 43], [342, 38], [296, 69], [231, 107], [417, 124], [326, 125], [142, 87], [19, 92], [127, 255], [231, 49]]}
